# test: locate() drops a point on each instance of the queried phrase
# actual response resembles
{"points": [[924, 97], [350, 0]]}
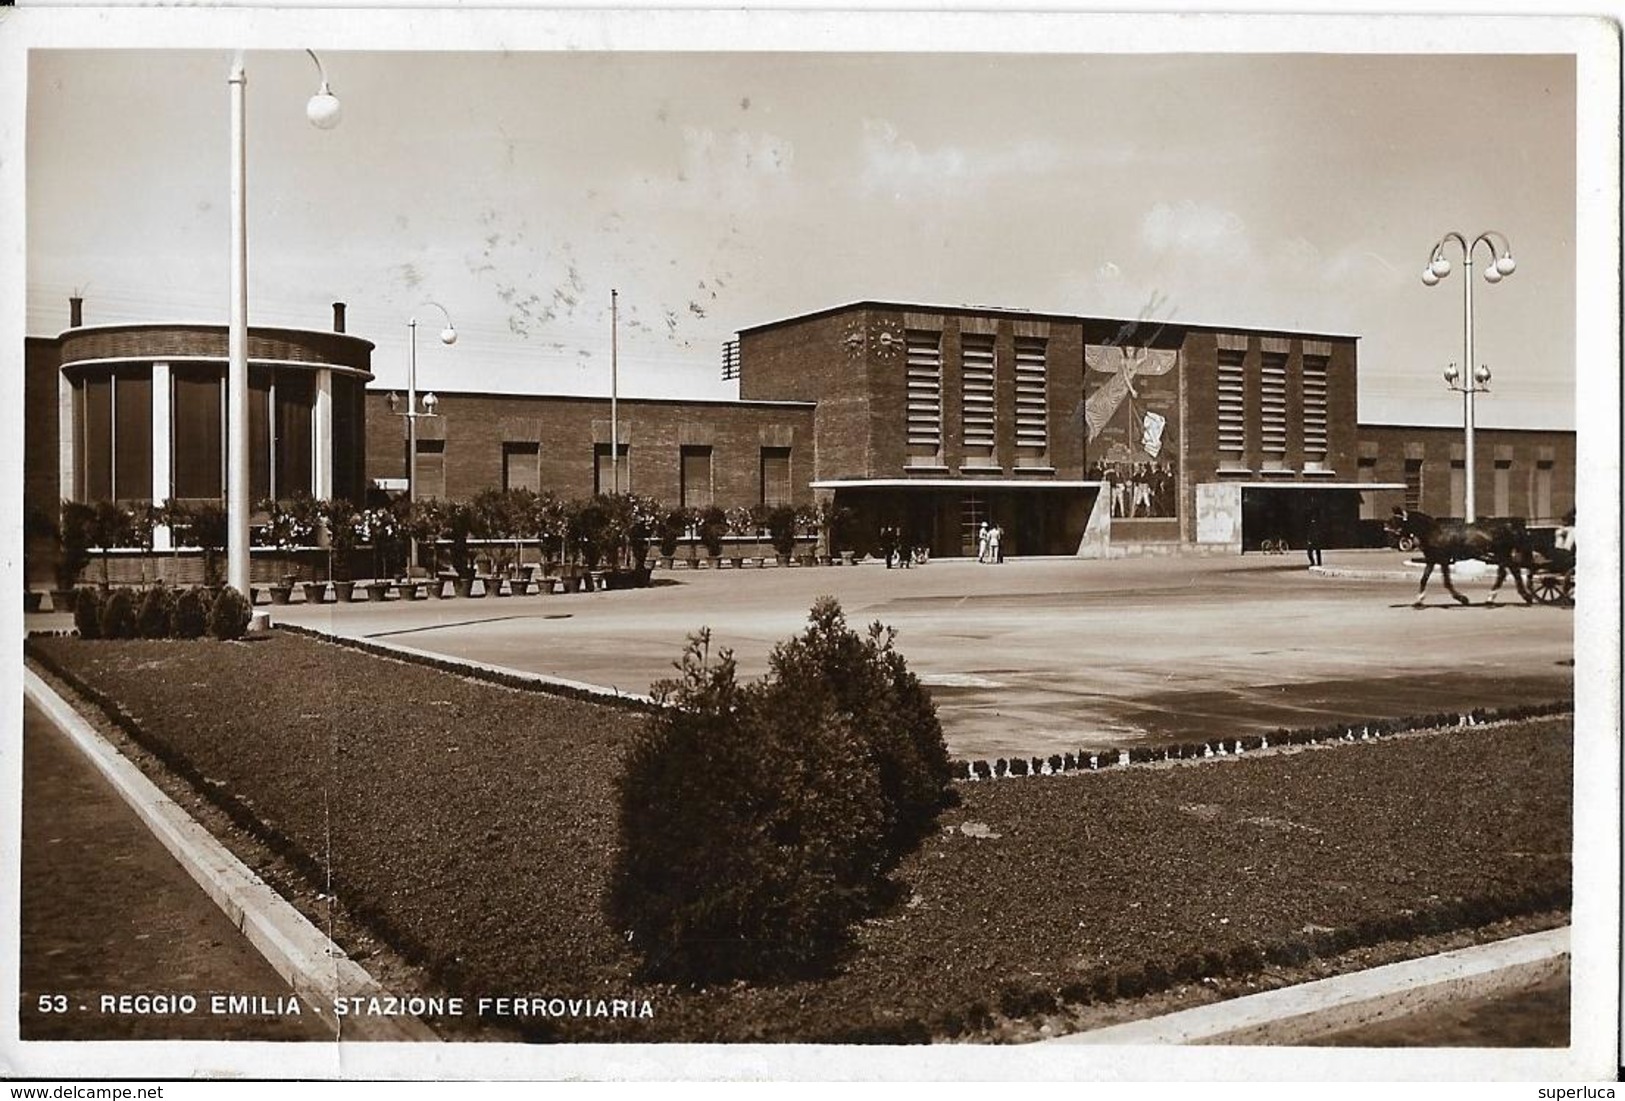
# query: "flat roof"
{"points": [[1045, 315], [951, 483], [520, 395]]}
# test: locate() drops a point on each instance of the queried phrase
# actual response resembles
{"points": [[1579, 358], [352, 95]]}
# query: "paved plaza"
{"points": [[1045, 655]]}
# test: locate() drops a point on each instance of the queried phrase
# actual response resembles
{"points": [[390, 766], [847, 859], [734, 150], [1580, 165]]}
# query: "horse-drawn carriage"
{"points": [[1545, 555], [1551, 565]]}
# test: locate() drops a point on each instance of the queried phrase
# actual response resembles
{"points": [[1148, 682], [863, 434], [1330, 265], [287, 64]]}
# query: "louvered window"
{"points": [[1032, 393], [1274, 404], [1232, 386], [924, 392], [1314, 408], [979, 403]]}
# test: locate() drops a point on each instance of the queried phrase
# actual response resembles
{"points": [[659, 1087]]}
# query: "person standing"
{"points": [[1311, 535], [983, 539], [995, 544]]}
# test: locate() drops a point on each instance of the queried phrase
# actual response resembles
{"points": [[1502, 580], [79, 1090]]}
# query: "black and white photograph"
{"points": [[810, 545]]}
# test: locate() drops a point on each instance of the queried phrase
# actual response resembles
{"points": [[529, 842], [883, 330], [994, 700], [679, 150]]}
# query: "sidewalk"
{"points": [[106, 911]]}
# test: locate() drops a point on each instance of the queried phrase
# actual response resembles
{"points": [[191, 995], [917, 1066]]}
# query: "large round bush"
{"points": [[748, 816], [87, 613], [152, 618], [189, 615], [118, 615], [230, 614]]}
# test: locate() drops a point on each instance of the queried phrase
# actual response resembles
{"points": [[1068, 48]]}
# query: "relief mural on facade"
{"points": [[1131, 413]]}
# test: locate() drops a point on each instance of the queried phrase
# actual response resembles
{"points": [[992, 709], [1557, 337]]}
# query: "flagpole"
{"points": [[614, 424]]}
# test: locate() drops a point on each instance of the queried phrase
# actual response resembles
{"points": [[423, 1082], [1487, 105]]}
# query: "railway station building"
{"points": [[1081, 436]]}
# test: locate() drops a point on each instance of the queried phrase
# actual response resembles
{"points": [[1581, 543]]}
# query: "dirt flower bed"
{"points": [[472, 827]]}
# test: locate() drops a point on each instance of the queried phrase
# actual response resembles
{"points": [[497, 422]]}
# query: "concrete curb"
{"points": [[315, 967], [480, 670], [1298, 1014]]}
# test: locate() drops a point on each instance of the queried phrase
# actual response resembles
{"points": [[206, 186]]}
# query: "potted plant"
{"points": [[382, 529], [781, 529], [281, 531], [673, 523], [339, 517], [461, 523], [206, 527], [807, 525], [741, 522], [713, 523], [308, 520]]}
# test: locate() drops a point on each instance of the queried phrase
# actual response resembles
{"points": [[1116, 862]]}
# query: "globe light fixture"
{"points": [[1499, 267]]}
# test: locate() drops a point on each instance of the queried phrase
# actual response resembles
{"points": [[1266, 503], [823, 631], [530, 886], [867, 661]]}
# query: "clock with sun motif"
{"points": [[883, 339]]}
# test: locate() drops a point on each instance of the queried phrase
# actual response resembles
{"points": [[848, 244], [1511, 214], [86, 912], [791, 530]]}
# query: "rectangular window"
{"points": [[1413, 483], [1314, 408], [261, 445], [132, 435], [295, 396], [431, 471], [1543, 490], [1032, 393], [1366, 471], [522, 466], [98, 445], [1503, 487], [1458, 487], [199, 460], [610, 477], [695, 490], [345, 456], [924, 393], [979, 405], [775, 476], [1273, 404], [1232, 422]]}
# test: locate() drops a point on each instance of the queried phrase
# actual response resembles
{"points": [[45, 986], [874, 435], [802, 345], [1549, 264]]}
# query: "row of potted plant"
{"points": [[485, 537]]}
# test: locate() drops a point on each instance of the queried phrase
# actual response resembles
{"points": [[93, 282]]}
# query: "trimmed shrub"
{"points": [[1001, 767], [751, 817], [229, 616], [87, 613], [864, 679], [118, 615], [152, 617], [1018, 767], [189, 614]]}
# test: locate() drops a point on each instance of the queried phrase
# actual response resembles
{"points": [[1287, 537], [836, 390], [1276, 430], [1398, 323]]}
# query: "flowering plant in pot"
{"points": [[342, 521], [284, 530]]}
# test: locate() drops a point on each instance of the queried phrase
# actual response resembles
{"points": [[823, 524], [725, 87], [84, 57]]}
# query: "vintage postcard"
{"points": [[627, 545]]}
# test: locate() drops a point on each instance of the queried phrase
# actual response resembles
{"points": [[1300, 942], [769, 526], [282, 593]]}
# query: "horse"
{"points": [[1503, 543]]}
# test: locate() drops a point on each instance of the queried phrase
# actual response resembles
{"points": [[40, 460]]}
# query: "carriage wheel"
{"points": [[1551, 588], [1407, 543]]}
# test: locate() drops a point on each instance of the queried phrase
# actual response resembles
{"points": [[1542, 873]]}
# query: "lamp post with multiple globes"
{"points": [[1476, 380]]}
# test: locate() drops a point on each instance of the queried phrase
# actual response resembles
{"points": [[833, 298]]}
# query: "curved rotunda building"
{"points": [[141, 411]]}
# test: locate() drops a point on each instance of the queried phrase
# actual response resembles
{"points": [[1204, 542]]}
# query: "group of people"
{"points": [[990, 543], [898, 551]]}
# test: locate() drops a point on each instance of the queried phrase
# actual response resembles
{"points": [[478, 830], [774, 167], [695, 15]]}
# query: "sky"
{"points": [[716, 191]]}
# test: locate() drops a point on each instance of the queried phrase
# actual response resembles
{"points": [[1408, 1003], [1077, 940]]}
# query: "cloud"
{"points": [[1195, 230], [893, 165]]}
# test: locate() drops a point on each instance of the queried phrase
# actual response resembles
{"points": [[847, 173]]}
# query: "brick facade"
{"points": [[474, 428]]}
